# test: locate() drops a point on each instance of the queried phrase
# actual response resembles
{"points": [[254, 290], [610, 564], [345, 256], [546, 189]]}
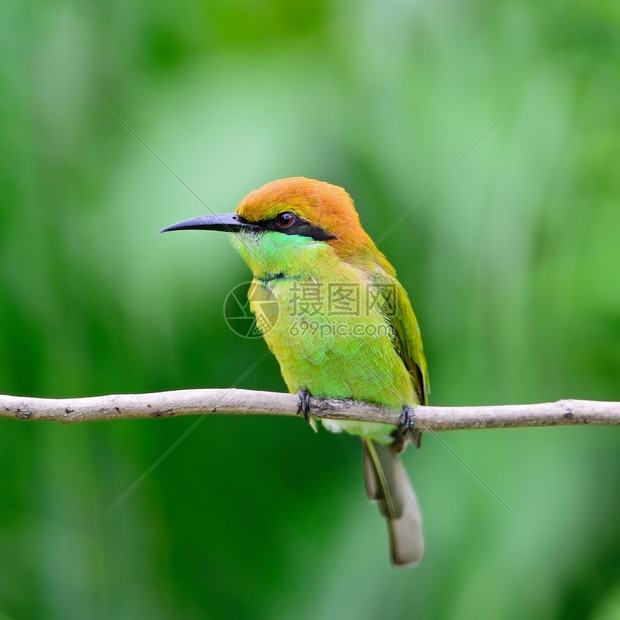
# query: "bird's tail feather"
{"points": [[388, 484]]}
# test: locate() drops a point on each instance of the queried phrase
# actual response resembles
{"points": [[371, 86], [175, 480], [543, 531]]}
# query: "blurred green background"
{"points": [[512, 263]]}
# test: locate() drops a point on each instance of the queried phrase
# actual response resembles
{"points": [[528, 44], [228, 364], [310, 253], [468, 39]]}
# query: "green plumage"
{"points": [[319, 350]]}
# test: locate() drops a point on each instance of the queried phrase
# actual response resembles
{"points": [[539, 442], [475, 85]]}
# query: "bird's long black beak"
{"points": [[228, 222]]}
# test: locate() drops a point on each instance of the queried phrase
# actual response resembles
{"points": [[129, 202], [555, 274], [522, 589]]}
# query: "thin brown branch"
{"points": [[248, 402]]}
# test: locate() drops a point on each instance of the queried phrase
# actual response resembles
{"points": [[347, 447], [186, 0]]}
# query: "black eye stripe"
{"points": [[296, 226]]}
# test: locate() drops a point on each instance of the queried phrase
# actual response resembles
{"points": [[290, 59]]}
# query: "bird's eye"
{"points": [[285, 220]]}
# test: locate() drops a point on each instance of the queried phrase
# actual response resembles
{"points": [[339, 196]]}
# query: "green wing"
{"points": [[407, 337]]}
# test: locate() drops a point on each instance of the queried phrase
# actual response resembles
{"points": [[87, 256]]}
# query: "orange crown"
{"points": [[321, 204]]}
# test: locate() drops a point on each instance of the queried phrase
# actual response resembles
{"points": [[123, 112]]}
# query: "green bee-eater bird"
{"points": [[345, 327]]}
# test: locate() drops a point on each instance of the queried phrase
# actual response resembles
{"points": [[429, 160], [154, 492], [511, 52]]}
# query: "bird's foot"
{"points": [[406, 420], [303, 404], [405, 430]]}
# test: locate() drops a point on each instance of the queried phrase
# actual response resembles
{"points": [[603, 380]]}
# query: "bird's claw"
{"points": [[303, 404], [406, 420], [405, 430]]}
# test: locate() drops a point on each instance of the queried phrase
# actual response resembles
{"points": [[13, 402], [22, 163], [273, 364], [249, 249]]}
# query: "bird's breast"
{"points": [[332, 338]]}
